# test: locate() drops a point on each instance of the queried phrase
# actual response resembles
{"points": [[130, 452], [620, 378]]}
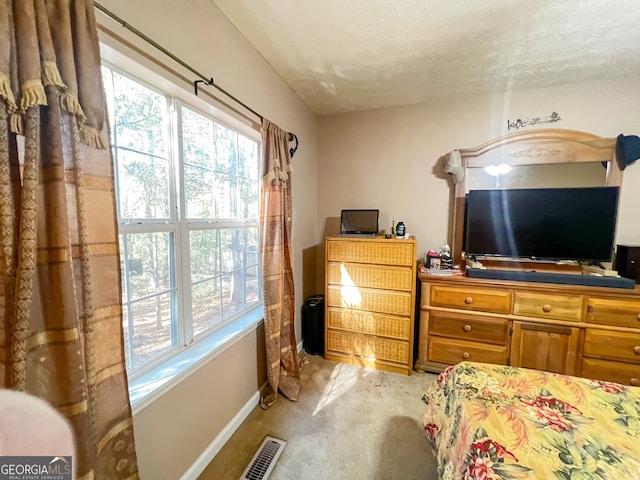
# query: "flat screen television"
{"points": [[542, 223]]}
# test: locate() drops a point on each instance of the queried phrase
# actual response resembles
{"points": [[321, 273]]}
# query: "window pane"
{"points": [[225, 191], [139, 116], [150, 324], [205, 254], [205, 305], [232, 293], [226, 150], [143, 185], [232, 249], [247, 158], [253, 289], [147, 264], [252, 294], [252, 252], [248, 207], [107, 81], [198, 185], [197, 139], [148, 295]]}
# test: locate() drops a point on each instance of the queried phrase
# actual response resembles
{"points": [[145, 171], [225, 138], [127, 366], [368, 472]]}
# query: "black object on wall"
{"points": [[628, 261], [313, 325]]}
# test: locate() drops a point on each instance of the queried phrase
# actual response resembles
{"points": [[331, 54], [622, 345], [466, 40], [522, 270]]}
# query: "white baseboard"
{"points": [[214, 447]]}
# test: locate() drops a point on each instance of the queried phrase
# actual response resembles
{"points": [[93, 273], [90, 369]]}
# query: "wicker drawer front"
{"points": [[624, 373], [479, 299], [371, 276], [477, 329], [389, 252], [381, 301], [446, 350], [607, 311], [369, 323], [541, 305], [612, 345], [368, 347]]}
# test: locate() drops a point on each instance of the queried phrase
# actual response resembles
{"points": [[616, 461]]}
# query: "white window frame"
{"points": [[151, 380]]}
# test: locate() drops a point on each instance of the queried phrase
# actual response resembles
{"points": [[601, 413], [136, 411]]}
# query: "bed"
{"points": [[498, 422]]}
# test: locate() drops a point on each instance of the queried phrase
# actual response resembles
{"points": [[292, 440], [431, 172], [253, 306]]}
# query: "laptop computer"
{"points": [[361, 223]]}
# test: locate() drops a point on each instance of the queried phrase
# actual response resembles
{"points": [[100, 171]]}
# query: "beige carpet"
{"points": [[350, 423]]}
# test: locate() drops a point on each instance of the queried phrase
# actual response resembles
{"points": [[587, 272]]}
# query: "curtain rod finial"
{"points": [[293, 137]]}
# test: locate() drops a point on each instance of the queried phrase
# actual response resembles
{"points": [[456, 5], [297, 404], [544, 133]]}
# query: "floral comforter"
{"points": [[495, 422]]}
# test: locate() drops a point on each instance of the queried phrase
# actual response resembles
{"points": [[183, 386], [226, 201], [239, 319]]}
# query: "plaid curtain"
{"points": [[283, 370], [60, 305]]}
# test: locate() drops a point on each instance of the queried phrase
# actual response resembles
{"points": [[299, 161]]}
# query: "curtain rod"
{"points": [[203, 79]]}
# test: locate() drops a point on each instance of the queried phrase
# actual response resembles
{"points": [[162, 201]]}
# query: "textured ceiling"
{"points": [[349, 55]]}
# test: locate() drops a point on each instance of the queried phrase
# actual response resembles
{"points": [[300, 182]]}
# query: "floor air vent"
{"points": [[264, 460]]}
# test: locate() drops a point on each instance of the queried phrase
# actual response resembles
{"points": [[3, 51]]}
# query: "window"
{"points": [[187, 190]]}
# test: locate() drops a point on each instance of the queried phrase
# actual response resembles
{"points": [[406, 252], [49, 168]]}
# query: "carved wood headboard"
{"points": [[534, 147]]}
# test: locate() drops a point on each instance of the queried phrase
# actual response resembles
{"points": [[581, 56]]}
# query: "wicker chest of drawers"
{"points": [[370, 302], [592, 332]]}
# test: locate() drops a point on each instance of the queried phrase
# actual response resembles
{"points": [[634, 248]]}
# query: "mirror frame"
{"points": [[535, 147]]}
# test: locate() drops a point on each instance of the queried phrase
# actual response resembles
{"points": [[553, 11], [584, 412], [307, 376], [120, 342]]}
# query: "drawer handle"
{"points": [[466, 355], [468, 300], [634, 382], [467, 328], [546, 308], [636, 349]]}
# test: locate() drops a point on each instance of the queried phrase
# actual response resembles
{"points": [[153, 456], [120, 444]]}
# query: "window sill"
{"points": [[154, 383]]}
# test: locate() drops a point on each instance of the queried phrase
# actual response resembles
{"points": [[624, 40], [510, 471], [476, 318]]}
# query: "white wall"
{"points": [[387, 158], [176, 428]]}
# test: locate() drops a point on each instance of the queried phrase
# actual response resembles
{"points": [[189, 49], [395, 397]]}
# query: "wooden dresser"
{"points": [[577, 330], [370, 302]]}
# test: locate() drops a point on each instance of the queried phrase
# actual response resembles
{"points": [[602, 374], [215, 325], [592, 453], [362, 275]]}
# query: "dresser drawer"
{"points": [[380, 301], [446, 350], [607, 311], [624, 373], [369, 323], [371, 276], [466, 327], [478, 299], [543, 305], [368, 347], [612, 345], [385, 252]]}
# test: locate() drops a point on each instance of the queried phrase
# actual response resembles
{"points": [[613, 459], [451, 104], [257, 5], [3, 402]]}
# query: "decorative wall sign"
{"points": [[527, 122]]}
